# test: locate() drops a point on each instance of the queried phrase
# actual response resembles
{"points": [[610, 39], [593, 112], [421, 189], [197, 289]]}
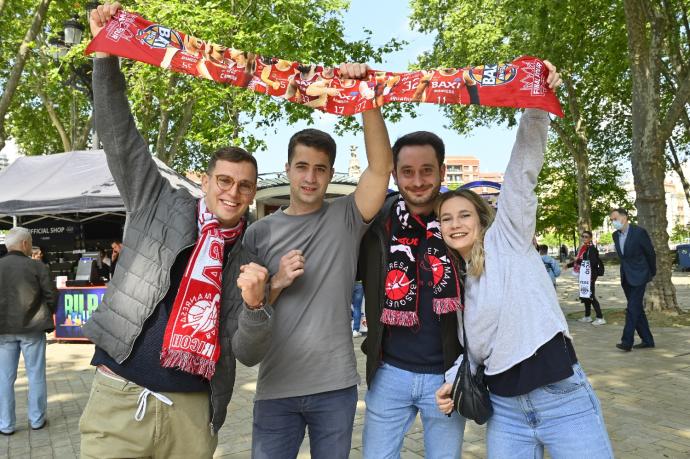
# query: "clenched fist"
{"points": [[252, 282], [101, 15]]}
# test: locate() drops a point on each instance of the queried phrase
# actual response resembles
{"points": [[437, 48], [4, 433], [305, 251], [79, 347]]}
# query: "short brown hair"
{"points": [[314, 138], [234, 155]]}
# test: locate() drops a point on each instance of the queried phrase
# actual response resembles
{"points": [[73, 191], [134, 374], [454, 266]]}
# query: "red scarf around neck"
{"points": [[580, 256], [191, 337]]}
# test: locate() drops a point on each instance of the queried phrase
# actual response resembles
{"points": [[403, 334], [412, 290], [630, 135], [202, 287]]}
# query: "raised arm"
{"points": [[373, 184], [517, 204], [132, 166]]}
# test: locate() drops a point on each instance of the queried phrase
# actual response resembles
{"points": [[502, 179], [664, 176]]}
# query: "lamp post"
{"points": [[79, 77]]}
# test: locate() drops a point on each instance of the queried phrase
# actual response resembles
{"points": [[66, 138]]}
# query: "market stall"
{"points": [[71, 205]]}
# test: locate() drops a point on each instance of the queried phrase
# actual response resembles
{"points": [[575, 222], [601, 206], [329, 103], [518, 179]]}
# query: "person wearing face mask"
{"points": [[514, 325], [589, 253], [638, 266]]}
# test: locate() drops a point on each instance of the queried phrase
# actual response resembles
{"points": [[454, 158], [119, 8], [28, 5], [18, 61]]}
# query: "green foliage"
{"points": [[605, 238], [557, 191], [303, 30], [586, 40], [680, 233]]}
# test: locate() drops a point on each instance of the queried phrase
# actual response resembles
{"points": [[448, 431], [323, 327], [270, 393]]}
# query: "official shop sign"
{"points": [[53, 232]]}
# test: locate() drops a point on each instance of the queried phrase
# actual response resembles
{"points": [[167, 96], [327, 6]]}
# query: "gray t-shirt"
{"points": [[311, 349]]}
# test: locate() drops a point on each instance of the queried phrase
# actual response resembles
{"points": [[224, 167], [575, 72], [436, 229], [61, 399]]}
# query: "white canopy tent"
{"points": [[64, 184]]}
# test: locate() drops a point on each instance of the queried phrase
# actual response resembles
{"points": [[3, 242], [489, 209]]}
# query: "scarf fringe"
{"points": [[189, 363], [399, 318], [446, 305]]}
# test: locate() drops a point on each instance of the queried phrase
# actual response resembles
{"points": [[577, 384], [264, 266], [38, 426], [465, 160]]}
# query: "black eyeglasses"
{"points": [[225, 183]]}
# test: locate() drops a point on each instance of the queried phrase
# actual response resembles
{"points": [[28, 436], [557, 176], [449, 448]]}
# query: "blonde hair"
{"points": [[486, 217]]}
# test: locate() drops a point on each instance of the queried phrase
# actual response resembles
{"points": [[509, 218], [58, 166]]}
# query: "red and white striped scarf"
{"points": [[191, 337]]}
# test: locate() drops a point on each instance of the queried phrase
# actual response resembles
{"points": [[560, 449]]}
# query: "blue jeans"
{"points": [[564, 417], [279, 425], [357, 295], [33, 348], [393, 400]]}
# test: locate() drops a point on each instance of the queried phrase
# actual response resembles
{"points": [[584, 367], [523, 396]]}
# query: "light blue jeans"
{"points": [[33, 348], [564, 417], [393, 400]]}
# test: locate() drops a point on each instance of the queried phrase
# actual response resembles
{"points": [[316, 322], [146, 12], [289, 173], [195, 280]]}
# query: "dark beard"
{"points": [[420, 201]]}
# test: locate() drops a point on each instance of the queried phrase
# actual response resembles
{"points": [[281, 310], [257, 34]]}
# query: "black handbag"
{"points": [[470, 394]]}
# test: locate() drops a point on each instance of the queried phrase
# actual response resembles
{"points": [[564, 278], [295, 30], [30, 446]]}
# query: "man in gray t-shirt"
{"points": [[309, 375]]}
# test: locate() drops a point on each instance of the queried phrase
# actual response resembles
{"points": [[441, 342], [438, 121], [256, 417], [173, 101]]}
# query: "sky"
{"points": [[491, 145]]}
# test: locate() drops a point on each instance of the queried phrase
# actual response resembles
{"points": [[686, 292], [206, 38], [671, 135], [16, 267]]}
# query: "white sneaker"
{"points": [[599, 322], [356, 334], [585, 319]]}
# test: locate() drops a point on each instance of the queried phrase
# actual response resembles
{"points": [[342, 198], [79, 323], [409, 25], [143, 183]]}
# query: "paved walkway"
{"points": [[645, 393]]}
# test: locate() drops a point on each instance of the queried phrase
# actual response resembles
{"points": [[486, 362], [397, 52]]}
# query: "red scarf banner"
{"points": [[191, 336], [520, 83]]}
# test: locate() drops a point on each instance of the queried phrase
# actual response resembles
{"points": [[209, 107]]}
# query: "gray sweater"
{"points": [[161, 223], [511, 309]]}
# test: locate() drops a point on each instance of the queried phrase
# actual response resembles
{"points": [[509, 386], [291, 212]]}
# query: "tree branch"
{"points": [[54, 118], [84, 136], [19, 62], [675, 110], [165, 118], [181, 131]]}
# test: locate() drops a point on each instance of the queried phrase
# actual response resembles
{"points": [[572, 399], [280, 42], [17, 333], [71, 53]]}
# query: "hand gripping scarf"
{"points": [[520, 83], [401, 304], [191, 336]]}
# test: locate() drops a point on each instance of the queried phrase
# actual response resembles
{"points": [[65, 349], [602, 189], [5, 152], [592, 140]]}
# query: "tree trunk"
{"points": [[18, 67], [647, 152], [2, 6]]}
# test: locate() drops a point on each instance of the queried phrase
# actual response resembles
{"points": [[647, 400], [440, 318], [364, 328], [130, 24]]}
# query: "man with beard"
{"points": [[411, 294]]}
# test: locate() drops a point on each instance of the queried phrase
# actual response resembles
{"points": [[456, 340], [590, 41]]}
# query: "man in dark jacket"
{"points": [[26, 314], [173, 319], [638, 266], [410, 290]]}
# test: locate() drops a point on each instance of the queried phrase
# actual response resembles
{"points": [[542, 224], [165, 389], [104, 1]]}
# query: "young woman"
{"points": [[589, 252], [515, 328]]}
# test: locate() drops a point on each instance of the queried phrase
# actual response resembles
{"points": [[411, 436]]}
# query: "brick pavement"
{"points": [[645, 394]]}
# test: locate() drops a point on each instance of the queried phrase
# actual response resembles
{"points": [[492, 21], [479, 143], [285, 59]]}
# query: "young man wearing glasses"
{"points": [[172, 321]]}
